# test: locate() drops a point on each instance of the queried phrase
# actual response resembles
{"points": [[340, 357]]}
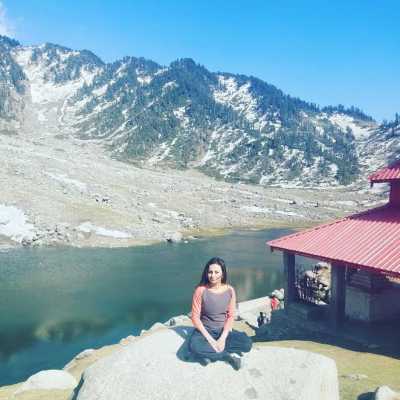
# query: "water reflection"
{"points": [[66, 331], [249, 281], [13, 340], [56, 302]]}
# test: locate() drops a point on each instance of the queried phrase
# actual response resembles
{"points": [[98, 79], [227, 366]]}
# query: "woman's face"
{"points": [[214, 274]]}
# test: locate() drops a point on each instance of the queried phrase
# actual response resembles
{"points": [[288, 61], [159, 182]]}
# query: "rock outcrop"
{"points": [[385, 393], [47, 380], [156, 367], [175, 237], [249, 310]]}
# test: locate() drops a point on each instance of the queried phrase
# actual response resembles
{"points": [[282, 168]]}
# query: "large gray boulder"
{"points": [[385, 393], [154, 367], [250, 310], [48, 380]]}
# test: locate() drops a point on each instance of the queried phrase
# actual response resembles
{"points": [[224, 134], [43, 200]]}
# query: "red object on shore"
{"points": [[369, 240], [275, 303]]}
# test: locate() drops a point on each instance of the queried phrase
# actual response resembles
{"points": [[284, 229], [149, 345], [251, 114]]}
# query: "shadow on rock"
{"points": [[351, 336], [75, 393], [366, 396], [183, 353]]}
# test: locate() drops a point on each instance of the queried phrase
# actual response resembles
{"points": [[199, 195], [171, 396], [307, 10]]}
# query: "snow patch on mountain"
{"points": [[263, 210], [66, 181], [41, 116], [169, 86], [88, 227], [143, 79], [239, 97], [39, 72], [162, 152], [161, 71], [345, 121], [181, 115], [100, 91], [13, 224]]}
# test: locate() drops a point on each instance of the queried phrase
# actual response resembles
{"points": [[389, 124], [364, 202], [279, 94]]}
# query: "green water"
{"points": [[56, 302]]}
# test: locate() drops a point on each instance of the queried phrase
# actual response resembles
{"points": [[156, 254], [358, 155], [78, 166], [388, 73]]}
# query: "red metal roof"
{"points": [[387, 174], [367, 240]]}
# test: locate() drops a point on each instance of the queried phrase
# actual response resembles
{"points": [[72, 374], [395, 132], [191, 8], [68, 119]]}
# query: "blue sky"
{"points": [[325, 51]]}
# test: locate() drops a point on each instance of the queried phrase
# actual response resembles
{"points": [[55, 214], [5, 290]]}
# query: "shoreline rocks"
{"points": [[386, 393], [48, 380], [175, 237]]}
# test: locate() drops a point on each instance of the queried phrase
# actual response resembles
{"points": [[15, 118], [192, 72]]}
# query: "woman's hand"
{"points": [[221, 344], [213, 344]]}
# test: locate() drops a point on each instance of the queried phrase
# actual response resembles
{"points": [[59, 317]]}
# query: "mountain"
{"points": [[233, 127], [381, 147], [12, 86]]}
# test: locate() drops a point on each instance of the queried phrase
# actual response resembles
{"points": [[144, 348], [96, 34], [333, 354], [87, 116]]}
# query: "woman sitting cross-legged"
{"points": [[213, 308]]}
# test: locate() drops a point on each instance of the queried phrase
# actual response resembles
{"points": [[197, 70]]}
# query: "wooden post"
{"points": [[289, 268], [338, 294], [394, 198]]}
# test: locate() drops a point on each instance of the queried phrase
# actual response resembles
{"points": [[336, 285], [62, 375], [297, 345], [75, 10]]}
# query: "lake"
{"points": [[56, 302]]}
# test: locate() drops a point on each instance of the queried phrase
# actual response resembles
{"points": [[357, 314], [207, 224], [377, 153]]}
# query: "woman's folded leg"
{"points": [[200, 348], [238, 342]]}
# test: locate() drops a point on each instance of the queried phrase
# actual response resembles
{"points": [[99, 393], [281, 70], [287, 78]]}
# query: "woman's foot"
{"points": [[235, 361], [204, 361]]}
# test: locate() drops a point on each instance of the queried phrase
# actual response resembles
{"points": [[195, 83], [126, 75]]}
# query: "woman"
{"points": [[213, 308]]}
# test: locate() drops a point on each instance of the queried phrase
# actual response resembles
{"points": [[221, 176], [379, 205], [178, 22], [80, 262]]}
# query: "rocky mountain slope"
{"points": [[229, 126], [381, 147], [97, 154], [69, 191]]}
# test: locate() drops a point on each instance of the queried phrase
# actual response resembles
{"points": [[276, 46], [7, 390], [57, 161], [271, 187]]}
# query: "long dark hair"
{"points": [[204, 276]]}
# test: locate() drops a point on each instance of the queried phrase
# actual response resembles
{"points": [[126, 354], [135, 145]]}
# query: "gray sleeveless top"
{"points": [[214, 307]]}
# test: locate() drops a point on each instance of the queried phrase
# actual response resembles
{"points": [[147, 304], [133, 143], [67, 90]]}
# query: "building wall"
{"points": [[366, 306], [357, 304], [385, 305]]}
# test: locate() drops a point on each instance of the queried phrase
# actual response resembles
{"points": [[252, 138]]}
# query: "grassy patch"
{"points": [[267, 224]]}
